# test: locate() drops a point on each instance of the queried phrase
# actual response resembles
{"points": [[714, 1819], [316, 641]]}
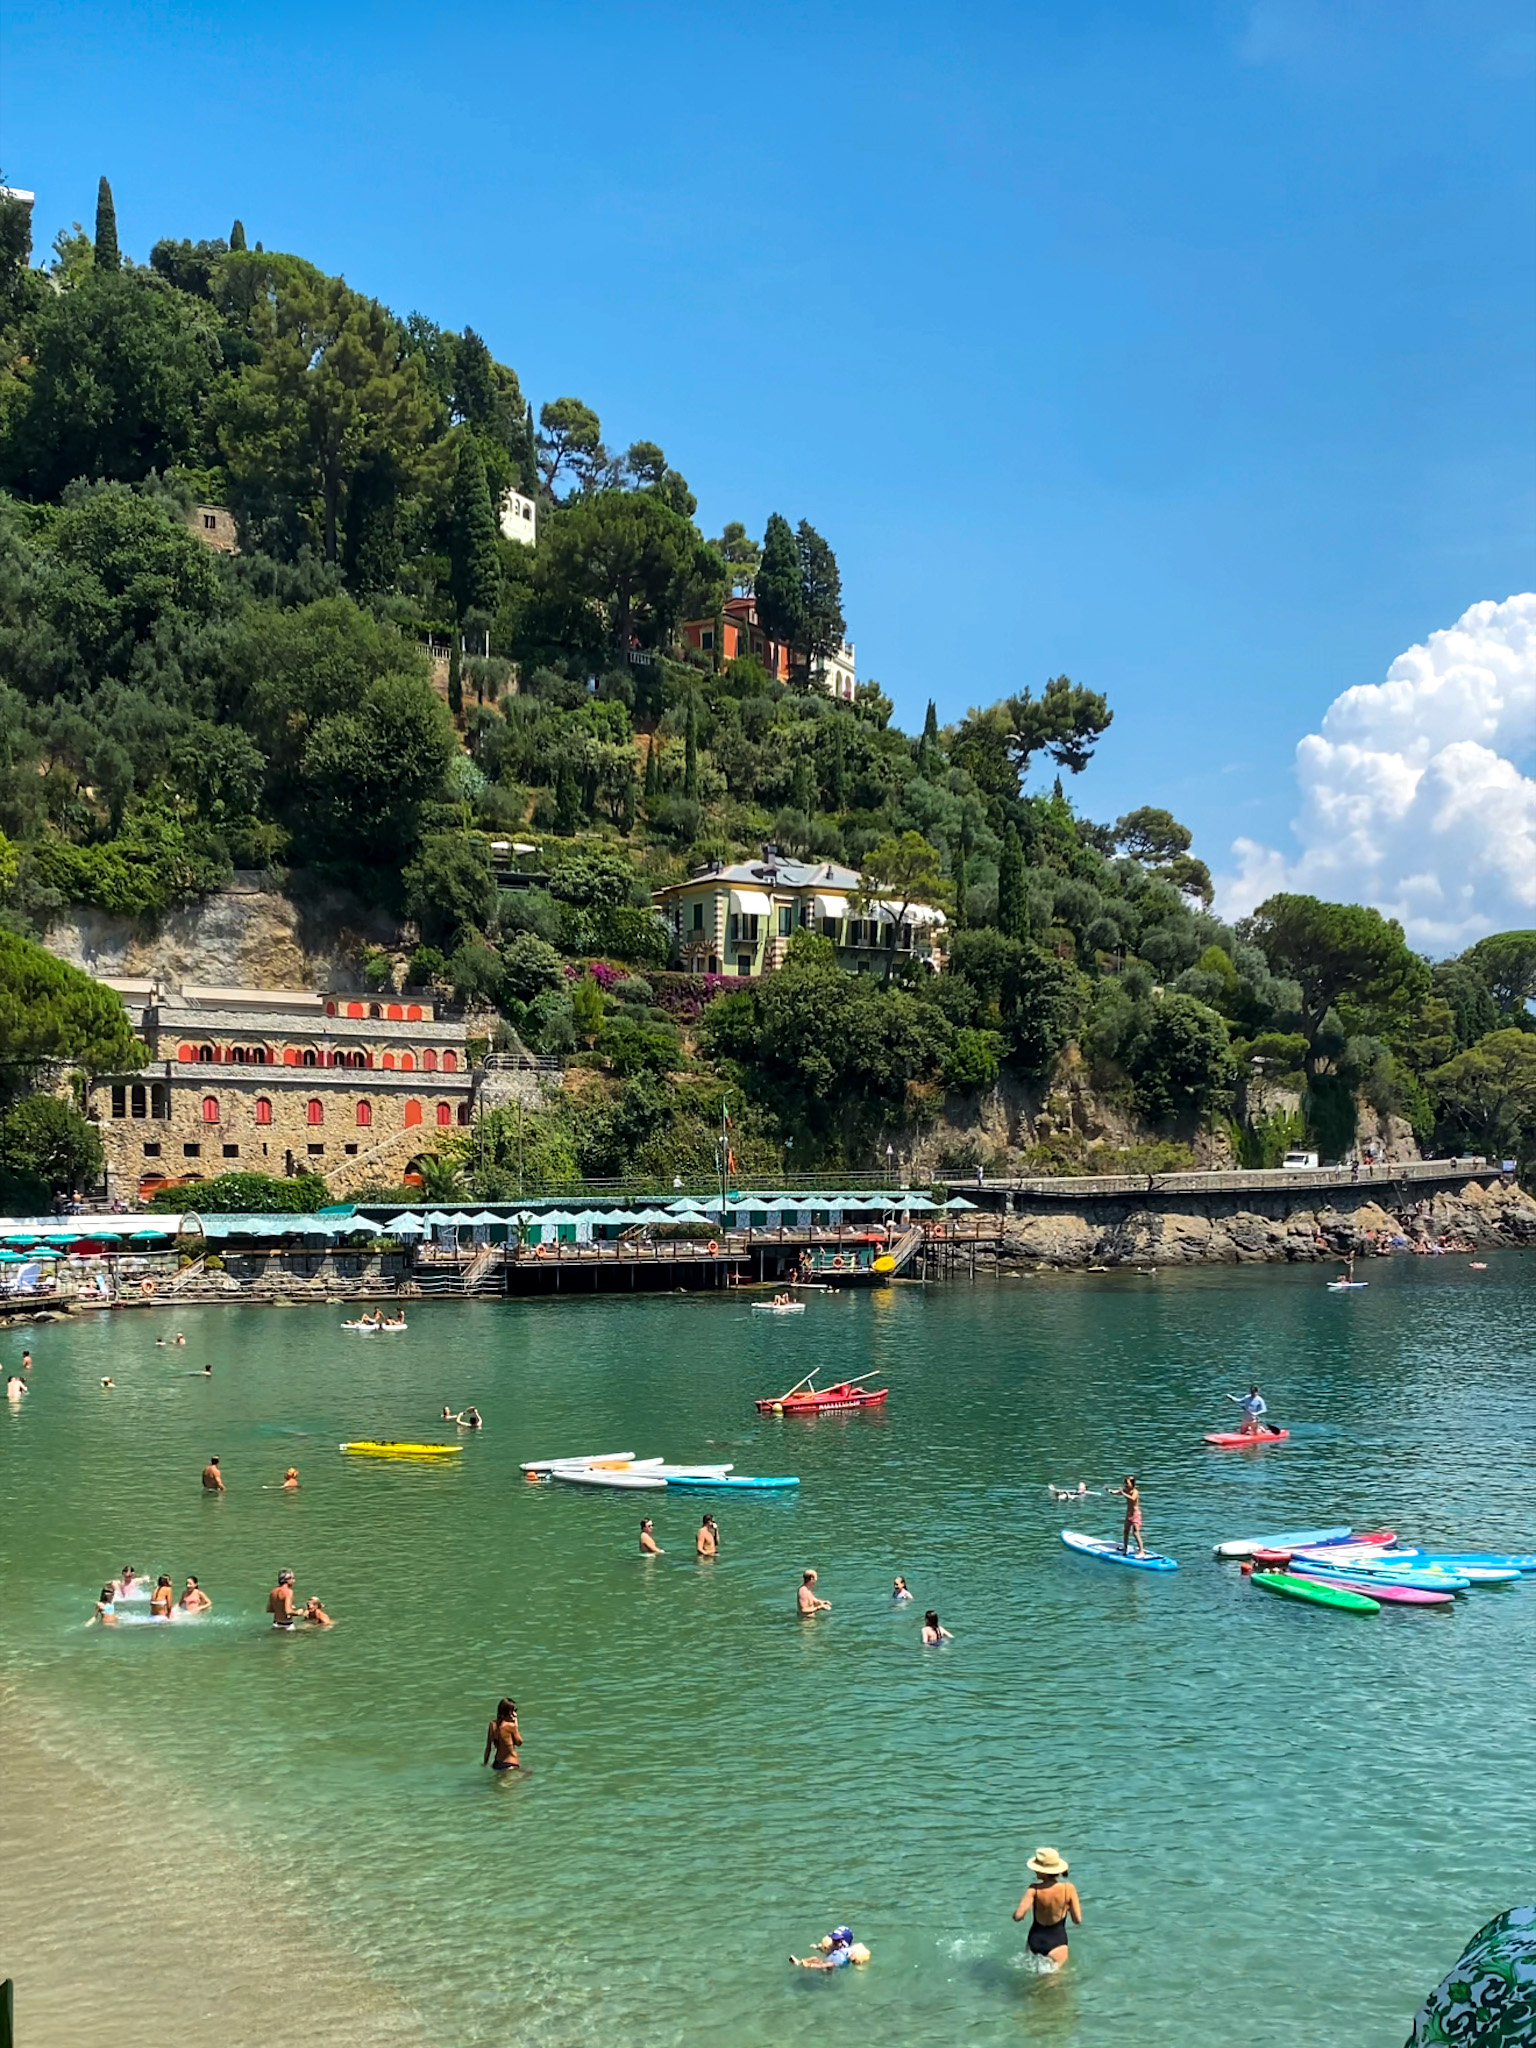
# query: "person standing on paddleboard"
{"points": [[1131, 1494]]}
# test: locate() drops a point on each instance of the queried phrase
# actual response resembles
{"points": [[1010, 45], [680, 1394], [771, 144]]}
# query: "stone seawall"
{"points": [[1171, 1229]]}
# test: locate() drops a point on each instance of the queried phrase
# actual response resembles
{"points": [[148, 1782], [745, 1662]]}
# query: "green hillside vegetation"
{"points": [[169, 713]]}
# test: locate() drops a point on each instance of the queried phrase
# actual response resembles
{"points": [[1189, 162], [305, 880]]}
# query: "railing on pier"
{"points": [[1278, 1179]]}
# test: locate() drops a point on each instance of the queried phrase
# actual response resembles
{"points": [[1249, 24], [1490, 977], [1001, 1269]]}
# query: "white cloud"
{"points": [[1413, 795]]}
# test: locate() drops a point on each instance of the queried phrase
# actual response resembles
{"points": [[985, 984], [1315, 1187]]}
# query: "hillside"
{"points": [[246, 509]]}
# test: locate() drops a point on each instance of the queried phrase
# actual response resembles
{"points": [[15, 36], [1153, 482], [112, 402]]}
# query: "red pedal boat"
{"points": [[814, 1400]]}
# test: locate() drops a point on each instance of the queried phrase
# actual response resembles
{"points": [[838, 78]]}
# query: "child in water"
{"points": [[837, 1950]]}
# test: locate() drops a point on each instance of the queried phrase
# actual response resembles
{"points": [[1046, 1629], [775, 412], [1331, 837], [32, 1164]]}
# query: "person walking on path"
{"points": [[213, 1478], [1131, 1494], [1052, 1904], [503, 1739], [806, 1602]]}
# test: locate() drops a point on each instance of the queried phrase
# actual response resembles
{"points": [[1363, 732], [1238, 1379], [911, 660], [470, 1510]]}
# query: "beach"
{"points": [[1317, 1804]]}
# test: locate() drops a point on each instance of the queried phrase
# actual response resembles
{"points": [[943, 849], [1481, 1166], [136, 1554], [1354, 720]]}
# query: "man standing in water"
{"points": [[213, 1478], [504, 1737], [707, 1542], [649, 1547], [806, 1602], [280, 1601]]}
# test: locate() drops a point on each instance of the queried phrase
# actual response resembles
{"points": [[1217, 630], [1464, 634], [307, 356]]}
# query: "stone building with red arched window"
{"points": [[282, 1081]]}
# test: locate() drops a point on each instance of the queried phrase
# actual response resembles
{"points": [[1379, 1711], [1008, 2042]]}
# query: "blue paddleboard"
{"points": [[741, 1482], [1111, 1553]]}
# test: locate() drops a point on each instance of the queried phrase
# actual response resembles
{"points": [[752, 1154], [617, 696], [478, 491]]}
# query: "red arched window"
{"points": [[450, 1063], [412, 1115], [394, 1010], [407, 1063], [210, 1109], [185, 1052], [263, 1110], [316, 1110], [330, 1009], [290, 1055], [429, 1062], [365, 1113], [444, 1114], [389, 1059], [354, 1009], [413, 1013]]}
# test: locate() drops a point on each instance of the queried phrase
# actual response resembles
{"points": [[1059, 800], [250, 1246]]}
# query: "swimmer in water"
{"points": [[901, 1590], [446, 1416], [1079, 1492], [109, 1383], [104, 1611], [707, 1542], [163, 1599], [838, 1950], [469, 1418], [128, 1584], [180, 1339], [159, 1343], [26, 1361], [280, 1601], [934, 1630], [1054, 1904], [213, 1478], [291, 1480], [649, 1547], [205, 1374], [315, 1613], [503, 1739], [807, 1602], [15, 1388], [194, 1600]]}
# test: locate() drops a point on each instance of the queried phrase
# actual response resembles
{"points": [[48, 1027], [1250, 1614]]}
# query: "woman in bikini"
{"points": [[1131, 1494], [1052, 1904], [504, 1737]]}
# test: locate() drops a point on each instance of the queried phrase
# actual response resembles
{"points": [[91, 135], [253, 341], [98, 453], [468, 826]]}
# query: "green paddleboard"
{"points": [[1293, 1588]]}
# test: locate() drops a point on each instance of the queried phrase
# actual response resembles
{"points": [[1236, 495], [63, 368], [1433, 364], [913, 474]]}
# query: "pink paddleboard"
{"points": [[1404, 1596], [1234, 1439]]}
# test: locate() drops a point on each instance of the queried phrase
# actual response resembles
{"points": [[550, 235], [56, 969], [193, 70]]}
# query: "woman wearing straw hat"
{"points": [[1054, 1904]]}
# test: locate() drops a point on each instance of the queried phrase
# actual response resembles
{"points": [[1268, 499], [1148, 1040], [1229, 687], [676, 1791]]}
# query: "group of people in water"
{"points": [[134, 1586], [1050, 1904]]}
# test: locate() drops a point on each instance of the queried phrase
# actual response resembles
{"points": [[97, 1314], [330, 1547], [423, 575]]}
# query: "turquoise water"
{"points": [[1284, 1822]]}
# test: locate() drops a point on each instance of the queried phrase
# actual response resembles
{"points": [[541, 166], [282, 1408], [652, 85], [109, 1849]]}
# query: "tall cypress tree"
{"points": [[691, 747], [1012, 902], [780, 595], [652, 770], [456, 678], [962, 869], [237, 235], [475, 566], [107, 257]]}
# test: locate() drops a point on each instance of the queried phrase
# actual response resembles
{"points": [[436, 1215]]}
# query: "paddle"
{"points": [[800, 1383]]}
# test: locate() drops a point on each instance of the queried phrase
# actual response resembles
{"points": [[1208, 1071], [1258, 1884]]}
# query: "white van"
{"points": [[1298, 1162]]}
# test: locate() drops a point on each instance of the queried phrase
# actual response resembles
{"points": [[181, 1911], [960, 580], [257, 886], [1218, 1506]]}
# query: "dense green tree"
{"points": [[105, 244], [895, 874], [1043, 1001], [46, 1148], [248, 1194], [740, 553], [1487, 1095], [1065, 721], [1333, 952], [643, 563], [52, 1012], [570, 445], [1182, 1061], [365, 775], [456, 677], [450, 884], [475, 574], [1507, 963], [691, 747], [780, 591], [533, 968], [334, 392], [237, 235], [1012, 895], [122, 368], [18, 287], [821, 588]]}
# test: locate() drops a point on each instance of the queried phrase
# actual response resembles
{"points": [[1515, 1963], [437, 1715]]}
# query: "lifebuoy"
{"points": [[146, 1287], [539, 1251], [712, 1246]]}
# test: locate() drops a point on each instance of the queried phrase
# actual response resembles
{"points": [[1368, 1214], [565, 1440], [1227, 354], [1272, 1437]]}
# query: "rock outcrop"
{"points": [[1186, 1230]]}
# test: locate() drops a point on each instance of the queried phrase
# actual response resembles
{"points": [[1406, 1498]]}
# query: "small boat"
{"points": [[1112, 1553], [1292, 1588], [778, 1308], [1288, 1539], [696, 1482], [367, 1329], [366, 1448], [806, 1398], [1246, 1440]]}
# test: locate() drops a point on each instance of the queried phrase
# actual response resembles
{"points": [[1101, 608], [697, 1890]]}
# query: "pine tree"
{"points": [[107, 257], [1012, 902], [691, 748], [456, 678], [474, 564], [237, 235]]}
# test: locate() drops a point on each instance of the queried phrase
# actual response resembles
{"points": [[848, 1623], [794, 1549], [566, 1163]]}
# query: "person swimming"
{"points": [[707, 1542], [15, 1388], [291, 1480], [934, 1630], [315, 1613], [1079, 1492], [808, 1602], [104, 1609], [649, 1547], [163, 1598], [837, 1950], [503, 1738], [900, 1590], [194, 1600], [1053, 1904], [131, 1584]]}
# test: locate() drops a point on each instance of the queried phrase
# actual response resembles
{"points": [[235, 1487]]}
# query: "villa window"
{"points": [[444, 1115], [159, 1100], [185, 1053], [786, 920], [315, 1110], [450, 1063], [463, 1112], [412, 1115], [698, 917], [210, 1109], [263, 1110], [743, 963], [119, 1101], [310, 1058], [364, 1114], [429, 1062], [206, 1055], [138, 1102], [407, 1063], [375, 1010]]}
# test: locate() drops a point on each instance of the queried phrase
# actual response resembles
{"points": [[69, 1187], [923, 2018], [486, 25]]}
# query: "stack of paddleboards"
{"points": [[1360, 1573], [623, 1472]]}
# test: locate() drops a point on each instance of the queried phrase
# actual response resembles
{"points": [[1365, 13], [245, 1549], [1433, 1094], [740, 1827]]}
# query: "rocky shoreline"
{"points": [[1188, 1230]]}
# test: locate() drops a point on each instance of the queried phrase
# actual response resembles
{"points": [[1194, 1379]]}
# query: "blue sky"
{"points": [[1187, 349]]}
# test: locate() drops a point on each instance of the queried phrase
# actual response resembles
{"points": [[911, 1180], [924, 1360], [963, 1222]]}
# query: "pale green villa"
{"points": [[739, 919]]}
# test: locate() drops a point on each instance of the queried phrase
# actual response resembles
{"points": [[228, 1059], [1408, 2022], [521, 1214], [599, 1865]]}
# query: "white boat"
{"points": [[368, 1329], [778, 1308]]}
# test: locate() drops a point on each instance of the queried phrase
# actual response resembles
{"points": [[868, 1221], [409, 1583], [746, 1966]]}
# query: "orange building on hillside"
{"points": [[741, 632]]}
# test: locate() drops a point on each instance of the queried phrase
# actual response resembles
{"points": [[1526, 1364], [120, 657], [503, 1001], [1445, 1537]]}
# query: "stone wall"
{"points": [[1182, 1230]]}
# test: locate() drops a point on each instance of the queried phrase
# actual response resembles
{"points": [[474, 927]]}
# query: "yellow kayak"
{"points": [[378, 1450]]}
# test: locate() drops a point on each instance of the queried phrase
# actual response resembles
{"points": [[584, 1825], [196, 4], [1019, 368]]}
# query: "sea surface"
{"points": [[1284, 1822]]}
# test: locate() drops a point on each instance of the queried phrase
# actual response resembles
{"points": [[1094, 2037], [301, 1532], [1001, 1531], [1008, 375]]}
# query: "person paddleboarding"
{"points": [[1130, 1493]]}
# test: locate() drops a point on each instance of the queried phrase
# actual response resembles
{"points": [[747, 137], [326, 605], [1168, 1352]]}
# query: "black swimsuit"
{"points": [[1047, 1936]]}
